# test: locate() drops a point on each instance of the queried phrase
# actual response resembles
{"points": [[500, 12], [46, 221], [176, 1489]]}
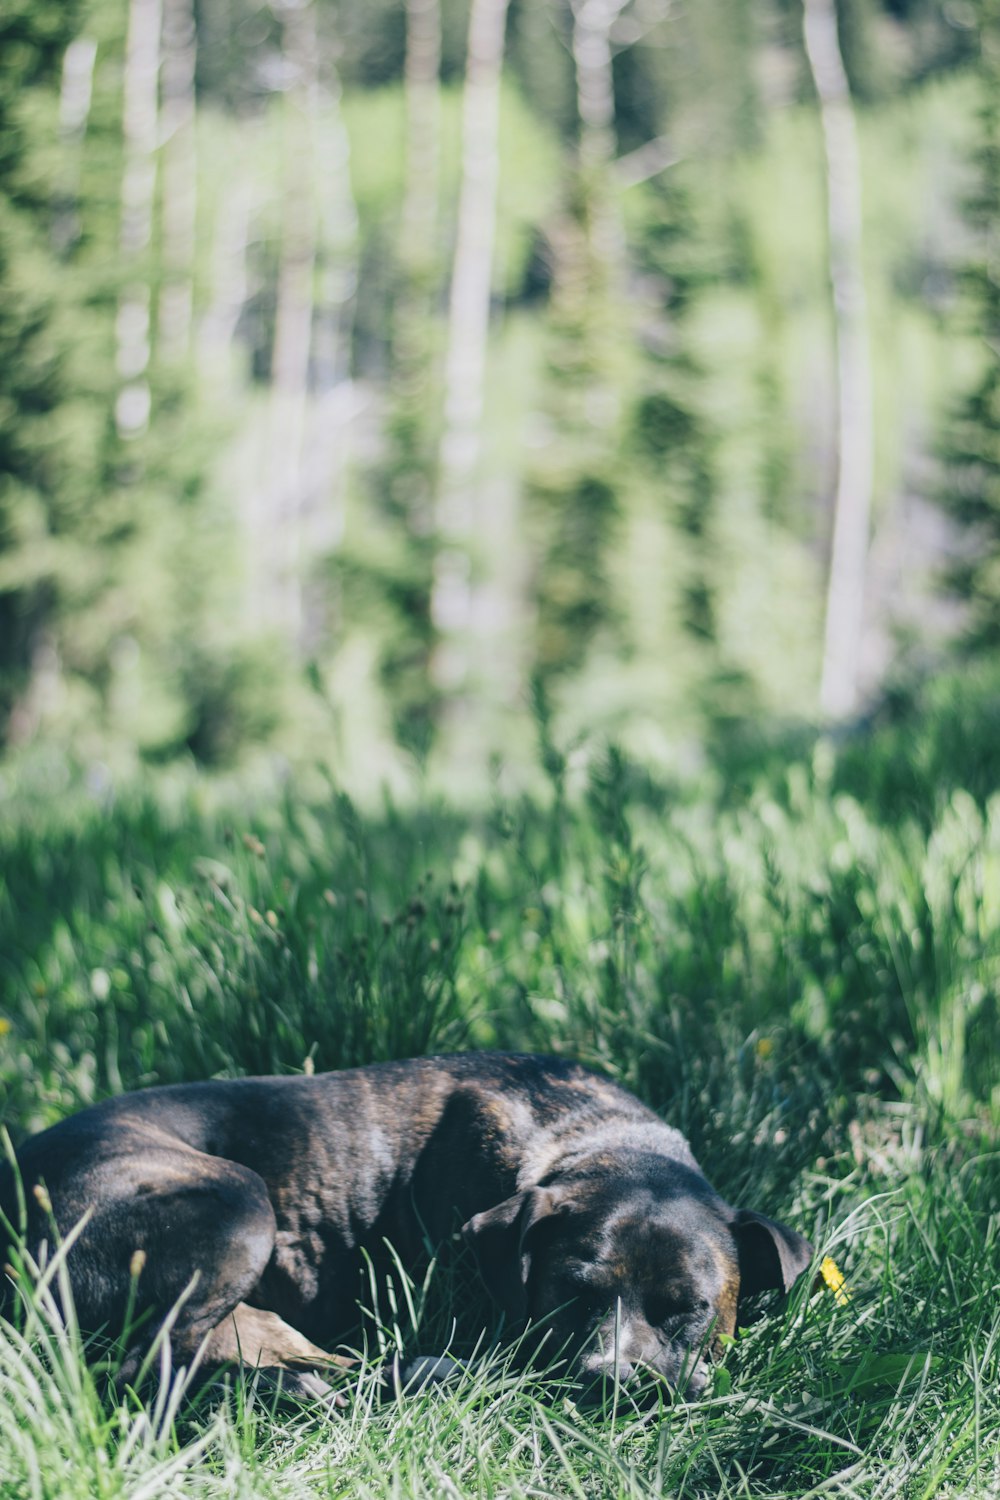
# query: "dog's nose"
{"points": [[608, 1369]]}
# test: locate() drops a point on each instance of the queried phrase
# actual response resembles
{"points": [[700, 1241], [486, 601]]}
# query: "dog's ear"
{"points": [[499, 1238], [771, 1255]]}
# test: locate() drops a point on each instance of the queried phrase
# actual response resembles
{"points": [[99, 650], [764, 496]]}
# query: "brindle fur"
{"points": [[587, 1213]]}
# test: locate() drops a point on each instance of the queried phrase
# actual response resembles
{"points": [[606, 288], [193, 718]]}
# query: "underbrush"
{"points": [[805, 986]]}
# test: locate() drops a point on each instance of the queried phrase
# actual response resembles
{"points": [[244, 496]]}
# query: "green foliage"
{"points": [[972, 454], [577, 513], [99, 533], [657, 417], [32, 363]]}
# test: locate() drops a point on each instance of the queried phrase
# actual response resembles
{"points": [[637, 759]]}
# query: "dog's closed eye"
{"points": [[669, 1313], [583, 1294]]}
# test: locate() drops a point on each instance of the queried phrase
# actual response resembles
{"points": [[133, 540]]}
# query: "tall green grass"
{"points": [[803, 978]]}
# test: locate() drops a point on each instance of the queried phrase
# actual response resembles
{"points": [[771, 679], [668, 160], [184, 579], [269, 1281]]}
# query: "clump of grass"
{"points": [[61, 1432], [892, 1391]]}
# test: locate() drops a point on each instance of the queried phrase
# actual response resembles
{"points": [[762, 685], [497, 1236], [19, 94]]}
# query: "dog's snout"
{"points": [[605, 1367], [601, 1380], [686, 1376]]}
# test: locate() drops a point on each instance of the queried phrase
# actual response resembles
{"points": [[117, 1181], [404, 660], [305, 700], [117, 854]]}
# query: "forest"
{"points": [[371, 371], [500, 548]]}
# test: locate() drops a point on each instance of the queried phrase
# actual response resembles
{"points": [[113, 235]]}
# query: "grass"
{"points": [[803, 976]]}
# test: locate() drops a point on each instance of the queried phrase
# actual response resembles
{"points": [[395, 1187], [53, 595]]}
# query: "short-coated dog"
{"points": [[589, 1217]]}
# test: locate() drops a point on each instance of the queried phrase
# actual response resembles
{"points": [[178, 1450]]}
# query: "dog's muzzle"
{"points": [[628, 1355]]}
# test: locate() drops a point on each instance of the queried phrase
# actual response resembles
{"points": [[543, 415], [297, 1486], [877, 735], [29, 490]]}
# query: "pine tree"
{"points": [[855, 398], [33, 380], [405, 482], [972, 457]]}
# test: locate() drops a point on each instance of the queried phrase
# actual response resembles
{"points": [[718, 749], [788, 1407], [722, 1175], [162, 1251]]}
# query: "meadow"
{"points": [[795, 957]]}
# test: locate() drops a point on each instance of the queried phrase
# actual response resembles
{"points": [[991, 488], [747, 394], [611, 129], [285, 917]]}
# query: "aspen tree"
{"points": [[140, 124], [423, 89], [593, 22], [75, 95], [280, 540], [333, 397], [468, 329], [312, 398], [855, 425], [180, 177]]}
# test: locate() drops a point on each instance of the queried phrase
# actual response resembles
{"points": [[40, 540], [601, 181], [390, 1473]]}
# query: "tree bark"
{"points": [[298, 513], [290, 356], [180, 178], [605, 270], [855, 425], [228, 279], [75, 94], [333, 401], [140, 125], [423, 89], [468, 329]]}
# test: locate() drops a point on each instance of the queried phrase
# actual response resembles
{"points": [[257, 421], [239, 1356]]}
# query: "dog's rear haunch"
{"points": [[589, 1217]]}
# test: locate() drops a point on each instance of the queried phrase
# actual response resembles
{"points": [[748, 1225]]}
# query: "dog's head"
{"points": [[625, 1275]]}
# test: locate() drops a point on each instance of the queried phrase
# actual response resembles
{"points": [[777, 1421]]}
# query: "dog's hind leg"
{"points": [[181, 1238]]}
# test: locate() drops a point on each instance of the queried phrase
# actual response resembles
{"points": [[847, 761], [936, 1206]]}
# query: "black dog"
{"points": [[587, 1214]]}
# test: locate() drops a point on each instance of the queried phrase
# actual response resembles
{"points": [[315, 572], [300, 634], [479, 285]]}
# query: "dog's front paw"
{"points": [[301, 1387], [405, 1377]]}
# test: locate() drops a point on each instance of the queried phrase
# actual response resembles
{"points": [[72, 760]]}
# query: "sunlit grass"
{"points": [[805, 983], [894, 1393]]}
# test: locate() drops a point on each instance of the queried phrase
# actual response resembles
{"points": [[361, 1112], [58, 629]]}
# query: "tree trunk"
{"points": [[855, 431], [229, 281], [75, 96], [281, 535], [595, 101], [140, 124], [603, 262], [180, 184], [333, 400], [468, 329], [422, 84]]}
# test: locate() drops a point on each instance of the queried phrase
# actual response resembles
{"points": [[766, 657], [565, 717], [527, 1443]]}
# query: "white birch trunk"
{"points": [[422, 85], [593, 21], [180, 184], [595, 90], [140, 126], [280, 537], [229, 281], [468, 329], [75, 95], [413, 353], [855, 426], [334, 401]]}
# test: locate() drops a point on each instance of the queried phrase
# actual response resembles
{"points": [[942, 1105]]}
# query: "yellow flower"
{"points": [[764, 1047], [4, 1025], [834, 1278]]}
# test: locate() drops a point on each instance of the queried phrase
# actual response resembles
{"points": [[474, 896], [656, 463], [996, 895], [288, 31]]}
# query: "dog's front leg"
{"points": [[284, 1360]]}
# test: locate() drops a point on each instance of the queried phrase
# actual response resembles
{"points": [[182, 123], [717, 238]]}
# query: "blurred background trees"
{"points": [[362, 367]]}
